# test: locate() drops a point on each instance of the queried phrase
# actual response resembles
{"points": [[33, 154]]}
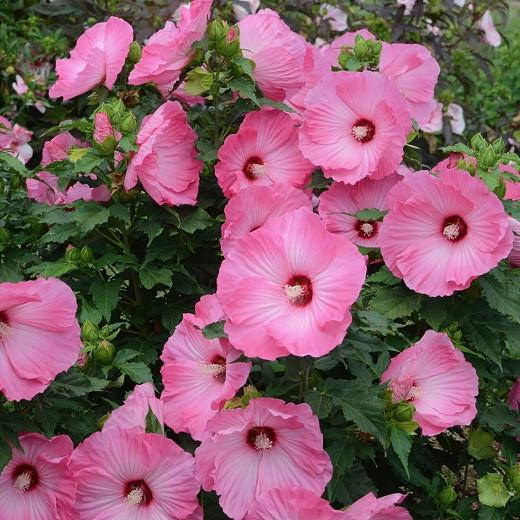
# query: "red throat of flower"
{"points": [[4, 325], [253, 168], [454, 228], [261, 438], [217, 368], [137, 493], [299, 290], [363, 130], [25, 478], [366, 228]]}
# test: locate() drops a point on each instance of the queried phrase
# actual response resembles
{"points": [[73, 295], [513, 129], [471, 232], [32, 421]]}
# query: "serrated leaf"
{"points": [[246, 88], [125, 355], [88, 215], [401, 444], [56, 269], [105, 296], [10, 163], [151, 276], [194, 219], [215, 330], [138, 372], [320, 402], [396, 302], [370, 214], [502, 292], [492, 491]]}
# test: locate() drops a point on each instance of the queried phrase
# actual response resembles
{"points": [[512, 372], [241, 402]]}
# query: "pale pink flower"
{"points": [[415, 71], [435, 120], [443, 232], [487, 26], [278, 53], [133, 413], [456, 114], [207, 310], [263, 152], [128, 474], [37, 483], [19, 86], [269, 444], [356, 124], [58, 148], [97, 58], [513, 399], [336, 17], [434, 377], [252, 207], [169, 50], [514, 255], [287, 288], [292, 503], [14, 140], [199, 374], [39, 335], [370, 507], [340, 203], [242, 8], [166, 163]]}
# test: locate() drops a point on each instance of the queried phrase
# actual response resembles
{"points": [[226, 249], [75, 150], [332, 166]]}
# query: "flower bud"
{"points": [[487, 158], [404, 412], [447, 497], [72, 254], [478, 143], [217, 30], [134, 54], [499, 146], [89, 331], [86, 255], [230, 45], [105, 352], [128, 123]]}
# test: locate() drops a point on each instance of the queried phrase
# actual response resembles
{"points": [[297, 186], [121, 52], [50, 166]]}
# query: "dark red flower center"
{"points": [[217, 367], [253, 168], [363, 130], [25, 478], [261, 438], [138, 493], [366, 228], [454, 228], [299, 290]]}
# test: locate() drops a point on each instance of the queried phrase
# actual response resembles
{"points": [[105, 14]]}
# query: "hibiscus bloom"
{"points": [[133, 413], [415, 71], [39, 335], [355, 126], [14, 140], [371, 508], [292, 503], [252, 207], [98, 58], [199, 376], [340, 203], [277, 51], [434, 376], [58, 148], [123, 474], [165, 161], [287, 287], [263, 152], [169, 50], [269, 444], [443, 232], [37, 483]]}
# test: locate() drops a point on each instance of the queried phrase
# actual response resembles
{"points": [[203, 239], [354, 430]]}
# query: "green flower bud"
{"points": [[478, 143], [404, 412], [128, 123], [105, 352], [134, 54], [487, 158], [217, 29], [108, 146], [230, 45], [89, 331], [499, 146], [72, 254], [447, 497], [86, 255]]}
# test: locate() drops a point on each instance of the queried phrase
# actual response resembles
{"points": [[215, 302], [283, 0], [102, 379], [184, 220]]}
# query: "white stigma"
{"points": [[4, 330], [294, 292], [451, 231], [23, 482], [215, 369], [367, 228], [256, 170], [263, 442], [360, 132], [136, 496]]}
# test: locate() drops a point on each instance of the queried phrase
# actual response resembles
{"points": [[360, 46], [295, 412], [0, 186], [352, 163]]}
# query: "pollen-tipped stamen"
{"points": [[23, 482], [136, 496]]}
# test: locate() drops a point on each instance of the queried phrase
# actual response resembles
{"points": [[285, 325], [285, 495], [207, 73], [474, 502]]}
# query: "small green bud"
{"points": [[105, 331], [5, 235], [230, 45], [487, 158], [108, 146], [361, 49], [128, 123], [217, 29], [86, 255], [478, 143], [134, 54], [499, 146], [89, 331], [105, 352], [72, 254], [10, 70], [404, 412], [500, 190], [447, 497]]}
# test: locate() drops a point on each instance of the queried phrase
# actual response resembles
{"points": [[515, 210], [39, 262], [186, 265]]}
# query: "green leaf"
{"points": [[151, 276], [246, 88], [401, 444], [481, 445], [383, 276], [320, 402], [138, 372], [215, 330], [88, 215], [491, 513], [266, 102], [125, 355], [105, 296], [57, 269], [501, 289], [76, 383], [370, 214], [11, 163], [246, 66], [396, 302], [194, 219], [152, 423], [492, 491]]}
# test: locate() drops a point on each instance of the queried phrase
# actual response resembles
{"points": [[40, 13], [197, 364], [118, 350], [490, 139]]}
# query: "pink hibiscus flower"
{"points": [[513, 399], [252, 207], [39, 335], [415, 71], [199, 374], [434, 376], [443, 232], [355, 126], [514, 255], [127, 474], [264, 152], [278, 53], [287, 288], [165, 162], [14, 140], [37, 483], [98, 58], [371, 508], [340, 202], [58, 148], [292, 503], [133, 413], [169, 50], [267, 445]]}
